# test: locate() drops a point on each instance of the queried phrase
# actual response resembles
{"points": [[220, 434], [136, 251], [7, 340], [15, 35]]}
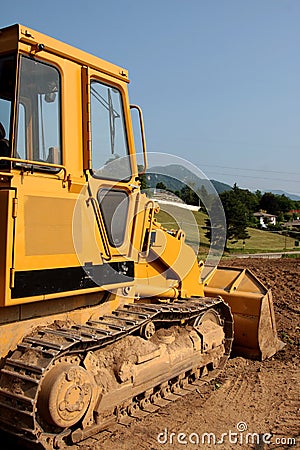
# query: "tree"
{"points": [[269, 203], [276, 204], [237, 216], [215, 232], [204, 197], [161, 185], [189, 196], [248, 198], [142, 179], [285, 203]]}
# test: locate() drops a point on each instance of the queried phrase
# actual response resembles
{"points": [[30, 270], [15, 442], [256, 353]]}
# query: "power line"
{"points": [[251, 170], [256, 177]]}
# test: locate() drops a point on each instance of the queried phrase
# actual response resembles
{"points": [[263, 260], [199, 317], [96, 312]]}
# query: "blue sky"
{"points": [[218, 80]]}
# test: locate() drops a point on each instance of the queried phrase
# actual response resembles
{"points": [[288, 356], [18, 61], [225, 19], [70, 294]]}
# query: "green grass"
{"points": [[192, 222], [264, 241]]}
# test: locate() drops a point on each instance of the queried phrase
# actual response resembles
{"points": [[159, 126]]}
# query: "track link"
{"points": [[25, 369]]}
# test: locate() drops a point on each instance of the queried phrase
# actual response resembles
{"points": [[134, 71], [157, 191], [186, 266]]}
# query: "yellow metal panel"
{"points": [[231, 279], [48, 225], [44, 222], [65, 51], [6, 243]]}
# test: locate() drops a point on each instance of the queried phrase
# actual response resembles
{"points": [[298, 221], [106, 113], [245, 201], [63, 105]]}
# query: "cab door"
{"points": [[109, 163]]}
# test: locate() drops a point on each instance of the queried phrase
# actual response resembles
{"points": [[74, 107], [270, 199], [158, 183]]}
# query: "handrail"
{"points": [[101, 227], [6, 174], [37, 163], [151, 220], [140, 112]]}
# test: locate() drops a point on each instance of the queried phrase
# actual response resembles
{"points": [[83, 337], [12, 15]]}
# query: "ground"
{"points": [[258, 398]]}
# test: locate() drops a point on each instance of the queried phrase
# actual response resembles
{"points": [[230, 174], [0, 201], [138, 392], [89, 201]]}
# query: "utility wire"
{"points": [[250, 170], [255, 177]]}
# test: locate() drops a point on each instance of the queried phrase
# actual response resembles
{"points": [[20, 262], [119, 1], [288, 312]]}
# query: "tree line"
{"points": [[239, 207]]}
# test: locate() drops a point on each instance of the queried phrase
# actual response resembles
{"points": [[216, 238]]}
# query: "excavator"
{"points": [[105, 315]]}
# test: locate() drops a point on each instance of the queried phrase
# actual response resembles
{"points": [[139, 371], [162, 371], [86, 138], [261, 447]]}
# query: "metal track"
{"points": [[24, 370]]}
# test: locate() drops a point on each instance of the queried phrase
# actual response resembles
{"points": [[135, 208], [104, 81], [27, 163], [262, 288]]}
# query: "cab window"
{"points": [[110, 157], [38, 124], [7, 89]]}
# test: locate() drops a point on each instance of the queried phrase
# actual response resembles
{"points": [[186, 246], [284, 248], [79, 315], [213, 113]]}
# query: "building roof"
{"points": [[261, 214]]}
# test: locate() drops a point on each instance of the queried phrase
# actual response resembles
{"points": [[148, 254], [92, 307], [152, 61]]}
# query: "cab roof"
{"points": [[11, 36]]}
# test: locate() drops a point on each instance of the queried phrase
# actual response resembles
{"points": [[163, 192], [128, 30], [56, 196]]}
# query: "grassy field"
{"points": [[265, 241], [192, 223]]}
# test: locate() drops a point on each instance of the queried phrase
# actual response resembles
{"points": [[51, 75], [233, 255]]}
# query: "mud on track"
{"points": [[262, 396]]}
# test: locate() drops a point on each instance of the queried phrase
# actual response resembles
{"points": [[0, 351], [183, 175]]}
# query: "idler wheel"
{"points": [[147, 330], [65, 395]]}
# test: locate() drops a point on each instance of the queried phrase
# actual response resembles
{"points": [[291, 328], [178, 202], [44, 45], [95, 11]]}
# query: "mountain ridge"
{"points": [[175, 177]]}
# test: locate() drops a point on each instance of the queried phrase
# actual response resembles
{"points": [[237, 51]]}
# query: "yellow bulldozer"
{"points": [[104, 314]]}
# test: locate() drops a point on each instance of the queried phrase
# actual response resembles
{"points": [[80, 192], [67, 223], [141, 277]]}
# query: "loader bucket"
{"points": [[255, 334]]}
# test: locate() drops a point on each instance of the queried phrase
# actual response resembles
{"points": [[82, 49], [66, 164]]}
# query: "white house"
{"points": [[265, 219]]}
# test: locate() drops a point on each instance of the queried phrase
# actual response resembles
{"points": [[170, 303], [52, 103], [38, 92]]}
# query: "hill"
{"points": [[175, 177], [294, 197]]}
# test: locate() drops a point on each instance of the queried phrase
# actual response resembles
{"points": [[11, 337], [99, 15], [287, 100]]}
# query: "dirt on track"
{"points": [[249, 397], [258, 398]]}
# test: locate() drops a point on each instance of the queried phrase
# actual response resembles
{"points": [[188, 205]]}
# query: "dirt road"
{"points": [[258, 398]]}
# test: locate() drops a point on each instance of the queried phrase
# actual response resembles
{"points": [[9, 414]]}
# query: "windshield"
{"points": [[7, 87]]}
